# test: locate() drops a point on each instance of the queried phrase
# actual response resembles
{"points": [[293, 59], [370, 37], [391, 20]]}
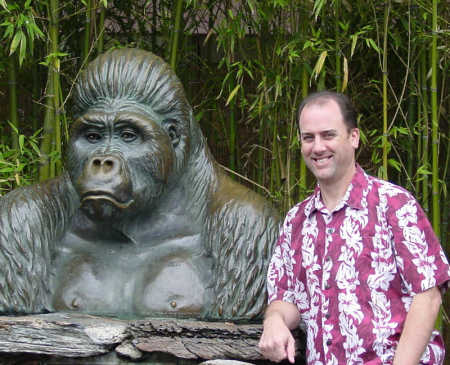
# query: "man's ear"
{"points": [[355, 136]]}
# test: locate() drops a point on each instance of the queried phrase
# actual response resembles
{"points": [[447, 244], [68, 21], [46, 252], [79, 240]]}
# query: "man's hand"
{"points": [[276, 342]]}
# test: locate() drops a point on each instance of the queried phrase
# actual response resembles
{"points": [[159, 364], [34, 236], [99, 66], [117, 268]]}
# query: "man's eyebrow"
{"points": [[321, 132]]}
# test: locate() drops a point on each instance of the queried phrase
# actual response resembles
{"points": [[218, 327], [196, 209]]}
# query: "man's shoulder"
{"points": [[301, 209], [389, 188], [384, 187]]}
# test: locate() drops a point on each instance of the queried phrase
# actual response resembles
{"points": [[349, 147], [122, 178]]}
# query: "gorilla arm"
{"points": [[31, 218], [242, 232]]}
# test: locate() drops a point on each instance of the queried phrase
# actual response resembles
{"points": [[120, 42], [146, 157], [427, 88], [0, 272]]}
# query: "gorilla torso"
{"points": [[110, 274]]}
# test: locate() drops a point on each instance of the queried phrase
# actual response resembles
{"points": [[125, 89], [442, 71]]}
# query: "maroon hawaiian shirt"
{"points": [[353, 272]]}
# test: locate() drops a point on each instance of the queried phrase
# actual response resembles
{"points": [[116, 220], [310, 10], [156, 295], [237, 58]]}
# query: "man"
{"points": [[357, 261]]}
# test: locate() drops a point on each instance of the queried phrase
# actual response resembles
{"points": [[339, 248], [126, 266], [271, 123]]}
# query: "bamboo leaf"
{"points": [[354, 40], [3, 4], [233, 93], [395, 164], [9, 30], [16, 41], [318, 5], [306, 45], [23, 49], [422, 170], [208, 35], [345, 79], [372, 43], [36, 30], [320, 62], [21, 141]]}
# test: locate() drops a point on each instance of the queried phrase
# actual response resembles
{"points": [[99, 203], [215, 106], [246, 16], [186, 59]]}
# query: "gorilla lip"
{"points": [[98, 195]]}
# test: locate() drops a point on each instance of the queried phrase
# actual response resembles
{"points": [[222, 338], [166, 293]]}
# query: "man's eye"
{"points": [[330, 135], [128, 136], [307, 138], [93, 137]]}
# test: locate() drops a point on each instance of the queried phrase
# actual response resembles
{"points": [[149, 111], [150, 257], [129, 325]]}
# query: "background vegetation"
{"points": [[245, 66]]}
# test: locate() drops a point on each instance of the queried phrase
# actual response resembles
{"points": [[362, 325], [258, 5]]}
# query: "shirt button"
{"points": [[330, 230], [327, 315], [327, 286], [329, 342], [328, 258]]}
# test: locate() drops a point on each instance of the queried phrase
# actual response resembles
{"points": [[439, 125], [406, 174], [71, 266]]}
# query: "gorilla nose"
{"points": [[109, 165]]}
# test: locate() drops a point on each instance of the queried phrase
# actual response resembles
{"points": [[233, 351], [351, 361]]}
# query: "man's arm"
{"points": [[418, 327], [276, 342]]}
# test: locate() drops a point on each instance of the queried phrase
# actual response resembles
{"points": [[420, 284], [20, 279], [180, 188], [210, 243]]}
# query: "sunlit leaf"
{"points": [[320, 62], [345, 79], [16, 41], [233, 93]]}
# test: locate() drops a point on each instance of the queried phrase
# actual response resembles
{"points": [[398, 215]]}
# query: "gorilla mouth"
{"points": [[105, 196]]}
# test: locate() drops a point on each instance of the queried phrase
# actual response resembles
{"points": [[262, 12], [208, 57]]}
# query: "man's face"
{"points": [[327, 147]]}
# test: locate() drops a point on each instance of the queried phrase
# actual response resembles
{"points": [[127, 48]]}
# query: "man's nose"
{"points": [[319, 145]]}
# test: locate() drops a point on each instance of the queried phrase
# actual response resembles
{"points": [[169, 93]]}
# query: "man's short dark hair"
{"points": [[346, 106]]}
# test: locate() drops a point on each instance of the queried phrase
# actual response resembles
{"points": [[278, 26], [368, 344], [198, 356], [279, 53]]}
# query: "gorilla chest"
{"points": [[117, 279]]}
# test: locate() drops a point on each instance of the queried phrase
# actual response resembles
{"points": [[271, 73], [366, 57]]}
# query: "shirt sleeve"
{"points": [[420, 258], [282, 283]]}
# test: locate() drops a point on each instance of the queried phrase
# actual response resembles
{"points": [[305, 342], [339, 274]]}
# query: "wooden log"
{"points": [[81, 336]]}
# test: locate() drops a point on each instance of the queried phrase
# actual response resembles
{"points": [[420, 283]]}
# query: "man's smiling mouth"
{"points": [[322, 160]]}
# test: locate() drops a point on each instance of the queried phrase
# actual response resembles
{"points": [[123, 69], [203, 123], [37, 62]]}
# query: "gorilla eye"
{"points": [[128, 136], [93, 137], [173, 134]]}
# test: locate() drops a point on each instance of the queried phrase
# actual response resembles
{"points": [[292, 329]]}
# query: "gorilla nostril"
{"points": [[105, 165]]}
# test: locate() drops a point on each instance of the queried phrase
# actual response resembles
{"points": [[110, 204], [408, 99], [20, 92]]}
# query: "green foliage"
{"points": [[18, 167], [20, 28], [246, 65]]}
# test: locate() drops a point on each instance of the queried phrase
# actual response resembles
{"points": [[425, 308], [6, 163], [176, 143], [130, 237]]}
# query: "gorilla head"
{"points": [[131, 136]]}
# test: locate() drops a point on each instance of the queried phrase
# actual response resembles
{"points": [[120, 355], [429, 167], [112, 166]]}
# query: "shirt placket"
{"points": [[326, 262]]}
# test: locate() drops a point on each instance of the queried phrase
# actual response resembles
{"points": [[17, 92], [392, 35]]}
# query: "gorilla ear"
{"points": [[173, 133]]}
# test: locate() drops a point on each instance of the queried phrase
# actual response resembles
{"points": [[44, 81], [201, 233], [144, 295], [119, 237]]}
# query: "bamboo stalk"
{"points": [[384, 174], [436, 217], [303, 173], [176, 33], [12, 88], [87, 33], [412, 104], [425, 126], [51, 133], [101, 30], [337, 41], [47, 131]]}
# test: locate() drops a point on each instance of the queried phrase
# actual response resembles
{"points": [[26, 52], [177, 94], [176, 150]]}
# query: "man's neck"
{"points": [[333, 193], [331, 197]]}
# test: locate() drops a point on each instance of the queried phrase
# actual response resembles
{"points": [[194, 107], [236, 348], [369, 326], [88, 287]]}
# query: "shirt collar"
{"points": [[352, 197]]}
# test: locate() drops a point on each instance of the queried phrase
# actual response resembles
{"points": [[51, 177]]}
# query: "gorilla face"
{"points": [[122, 156]]}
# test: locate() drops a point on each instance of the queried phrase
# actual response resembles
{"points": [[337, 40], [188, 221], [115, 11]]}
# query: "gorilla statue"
{"points": [[144, 222]]}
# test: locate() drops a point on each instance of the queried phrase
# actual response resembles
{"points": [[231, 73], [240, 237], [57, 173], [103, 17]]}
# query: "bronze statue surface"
{"points": [[144, 222]]}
